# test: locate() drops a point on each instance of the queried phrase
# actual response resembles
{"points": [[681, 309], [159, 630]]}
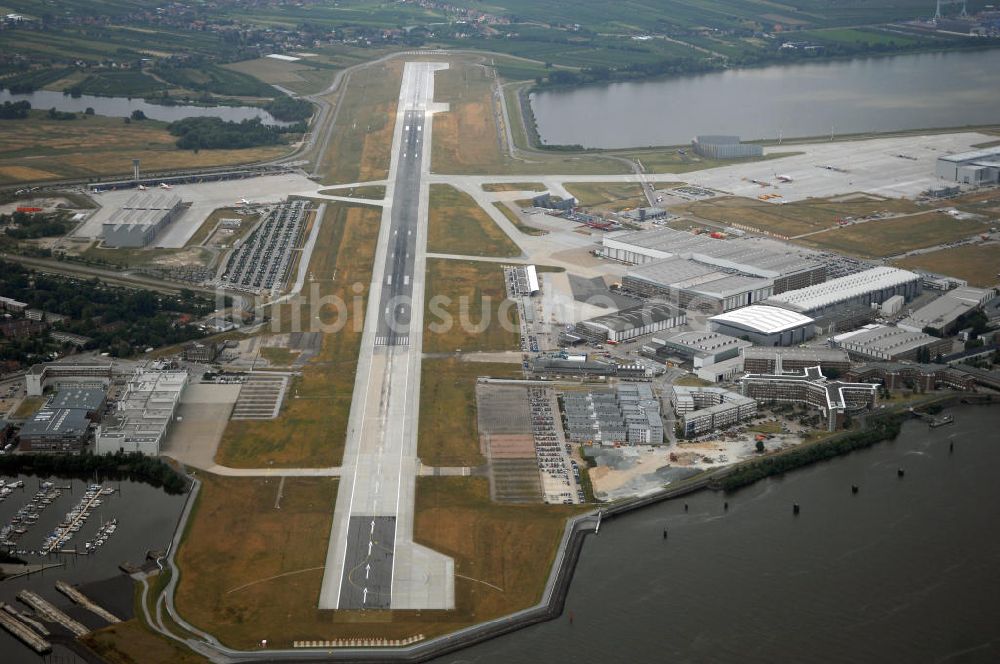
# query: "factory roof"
{"points": [[56, 422], [84, 398], [633, 317], [152, 200], [763, 319], [843, 288], [690, 275], [881, 340], [708, 342], [810, 354], [972, 155], [717, 139], [938, 314], [758, 257], [147, 405]]}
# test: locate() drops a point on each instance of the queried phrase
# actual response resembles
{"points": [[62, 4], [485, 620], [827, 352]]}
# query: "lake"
{"points": [[856, 96], [120, 107], [904, 571]]}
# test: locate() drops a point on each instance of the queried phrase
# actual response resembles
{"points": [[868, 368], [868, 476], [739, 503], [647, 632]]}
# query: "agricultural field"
{"points": [[301, 77], [457, 225], [448, 435], [312, 427], [979, 264], [891, 237], [39, 148], [466, 308]]}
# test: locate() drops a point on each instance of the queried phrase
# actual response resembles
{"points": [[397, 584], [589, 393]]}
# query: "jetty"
{"points": [[24, 633], [49, 612], [26, 619], [79, 598]]}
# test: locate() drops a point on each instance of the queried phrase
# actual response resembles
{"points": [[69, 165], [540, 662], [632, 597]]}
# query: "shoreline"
{"points": [[553, 600]]}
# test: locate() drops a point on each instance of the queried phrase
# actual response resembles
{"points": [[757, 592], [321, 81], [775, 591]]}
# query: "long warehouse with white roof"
{"points": [[873, 286]]}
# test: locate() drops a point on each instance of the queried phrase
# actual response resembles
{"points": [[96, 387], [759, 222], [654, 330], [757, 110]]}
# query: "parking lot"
{"points": [[261, 264]]}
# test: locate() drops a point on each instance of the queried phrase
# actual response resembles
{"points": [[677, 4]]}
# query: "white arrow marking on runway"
{"points": [[364, 596], [369, 547], [368, 569], [372, 531]]}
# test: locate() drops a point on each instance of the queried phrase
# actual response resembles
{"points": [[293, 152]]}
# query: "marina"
{"points": [[132, 520], [29, 514]]}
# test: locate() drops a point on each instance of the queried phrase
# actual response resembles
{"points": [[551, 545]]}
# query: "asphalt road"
{"points": [[368, 579], [397, 279]]}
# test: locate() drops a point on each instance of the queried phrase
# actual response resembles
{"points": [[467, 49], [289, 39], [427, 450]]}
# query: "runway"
{"points": [[372, 561]]}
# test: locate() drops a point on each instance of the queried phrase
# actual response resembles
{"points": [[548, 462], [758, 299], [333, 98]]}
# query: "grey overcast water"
{"points": [[907, 570], [854, 96], [147, 518], [120, 107]]}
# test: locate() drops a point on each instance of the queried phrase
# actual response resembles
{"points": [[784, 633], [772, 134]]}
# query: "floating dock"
{"points": [[24, 633], [46, 610], [84, 601], [30, 622]]}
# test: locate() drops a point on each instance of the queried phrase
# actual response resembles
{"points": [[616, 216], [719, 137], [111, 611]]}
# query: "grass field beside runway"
{"points": [[311, 429], [448, 434], [457, 225], [467, 315]]}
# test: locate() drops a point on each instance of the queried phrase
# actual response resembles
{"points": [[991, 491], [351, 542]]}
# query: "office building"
{"points": [[835, 399], [704, 409]]}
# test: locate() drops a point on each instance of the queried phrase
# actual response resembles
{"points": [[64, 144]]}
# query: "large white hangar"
{"points": [[764, 326], [873, 286]]}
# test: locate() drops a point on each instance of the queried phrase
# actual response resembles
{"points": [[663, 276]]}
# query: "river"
{"points": [[855, 96], [120, 107], [907, 570], [146, 517]]}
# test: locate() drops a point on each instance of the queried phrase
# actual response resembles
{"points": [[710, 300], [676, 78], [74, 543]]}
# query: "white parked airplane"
{"points": [[142, 187], [164, 185], [785, 178]]}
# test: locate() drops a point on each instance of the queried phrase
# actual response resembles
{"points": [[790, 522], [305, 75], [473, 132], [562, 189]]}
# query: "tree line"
{"points": [[119, 466], [218, 134]]}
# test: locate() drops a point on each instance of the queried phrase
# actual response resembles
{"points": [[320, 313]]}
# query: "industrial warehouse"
{"points": [[698, 271], [883, 342], [630, 323], [863, 289], [976, 167], [140, 218], [142, 416], [725, 147], [764, 325]]}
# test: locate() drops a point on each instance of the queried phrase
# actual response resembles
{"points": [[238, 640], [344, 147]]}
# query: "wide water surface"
{"points": [[120, 107], [907, 570], [854, 96]]}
